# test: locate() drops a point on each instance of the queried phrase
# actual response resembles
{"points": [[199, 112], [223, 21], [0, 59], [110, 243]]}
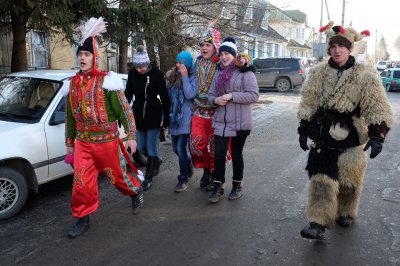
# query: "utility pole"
{"points": [[376, 41], [343, 8]]}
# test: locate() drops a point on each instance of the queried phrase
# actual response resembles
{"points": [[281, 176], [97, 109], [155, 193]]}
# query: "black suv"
{"points": [[281, 73]]}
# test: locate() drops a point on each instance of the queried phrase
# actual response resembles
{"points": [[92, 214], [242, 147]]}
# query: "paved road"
{"points": [[262, 228]]}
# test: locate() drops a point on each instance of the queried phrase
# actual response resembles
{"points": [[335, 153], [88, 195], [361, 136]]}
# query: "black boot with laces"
{"points": [[137, 202]]}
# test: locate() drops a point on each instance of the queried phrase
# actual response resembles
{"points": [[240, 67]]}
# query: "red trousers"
{"points": [[90, 159], [201, 144]]}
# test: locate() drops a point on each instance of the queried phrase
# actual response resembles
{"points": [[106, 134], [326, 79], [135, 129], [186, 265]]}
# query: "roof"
{"points": [[50, 74], [293, 44], [296, 15]]}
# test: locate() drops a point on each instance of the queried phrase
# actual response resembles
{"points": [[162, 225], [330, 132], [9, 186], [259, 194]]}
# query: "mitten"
{"points": [[376, 147]]}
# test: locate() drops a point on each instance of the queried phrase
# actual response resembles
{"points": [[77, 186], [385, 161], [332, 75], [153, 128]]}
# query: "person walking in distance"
{"points": [[95, 103]]}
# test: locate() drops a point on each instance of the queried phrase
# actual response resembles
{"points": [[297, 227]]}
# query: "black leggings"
{"points": [[221, 147]]}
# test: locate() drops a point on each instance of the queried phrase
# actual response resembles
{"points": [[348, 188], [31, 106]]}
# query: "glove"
{"points": [[376, 147], [303, 142]]}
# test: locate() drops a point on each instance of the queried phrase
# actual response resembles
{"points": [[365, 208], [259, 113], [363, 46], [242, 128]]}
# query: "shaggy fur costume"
{"points": [[353, 100]]}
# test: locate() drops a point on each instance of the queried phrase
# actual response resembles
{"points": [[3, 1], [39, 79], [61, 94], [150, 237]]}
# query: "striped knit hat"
{"points": [[140, 57]]}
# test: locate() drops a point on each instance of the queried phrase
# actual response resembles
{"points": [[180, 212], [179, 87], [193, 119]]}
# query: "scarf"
{"points": [[205, 69], [177, 98], [224, 76]]}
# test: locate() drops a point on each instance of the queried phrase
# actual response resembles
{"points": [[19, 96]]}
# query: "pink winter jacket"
{"points": [[236, 114]]}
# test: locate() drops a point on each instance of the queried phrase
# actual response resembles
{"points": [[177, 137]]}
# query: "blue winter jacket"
{"points": [[189, 92]]}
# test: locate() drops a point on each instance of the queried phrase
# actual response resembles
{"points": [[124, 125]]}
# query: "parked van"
{"points": [[382, 65]]}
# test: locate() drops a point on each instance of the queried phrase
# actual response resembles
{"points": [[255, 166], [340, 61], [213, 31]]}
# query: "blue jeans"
{"points": [[147, 141], [179, 146]]}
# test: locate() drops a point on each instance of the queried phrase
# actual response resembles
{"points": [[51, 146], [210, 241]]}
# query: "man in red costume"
{"points": [[95, 103]]}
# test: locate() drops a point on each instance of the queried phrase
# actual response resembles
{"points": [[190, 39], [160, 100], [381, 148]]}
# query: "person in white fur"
{"points": [[344, 111], [95, 103]]}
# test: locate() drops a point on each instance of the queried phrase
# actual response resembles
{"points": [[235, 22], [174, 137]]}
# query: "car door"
{"points": [[385, 77], [265, 72], [55, 135]]}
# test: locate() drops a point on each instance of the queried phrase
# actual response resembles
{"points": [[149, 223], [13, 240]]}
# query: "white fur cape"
{"points": [[112, 82]]}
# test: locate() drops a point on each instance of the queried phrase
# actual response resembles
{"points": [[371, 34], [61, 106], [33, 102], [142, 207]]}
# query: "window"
{"points": [[248, 17], [39, 50], [396, 74], [261, 50], [264, 22], [276, 50], [269, 49]]}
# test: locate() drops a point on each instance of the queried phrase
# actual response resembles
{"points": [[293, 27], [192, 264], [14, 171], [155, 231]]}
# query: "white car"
{"points": [[32, 130]]}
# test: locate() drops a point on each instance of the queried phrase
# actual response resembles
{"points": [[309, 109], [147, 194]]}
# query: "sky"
{"points": [[379, 17]]}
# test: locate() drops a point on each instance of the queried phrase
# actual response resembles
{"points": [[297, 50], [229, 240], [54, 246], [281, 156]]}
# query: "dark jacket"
{"points": [[148, 109]]}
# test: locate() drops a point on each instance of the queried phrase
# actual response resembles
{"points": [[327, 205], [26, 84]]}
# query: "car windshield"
{"points": [[25, 99]]}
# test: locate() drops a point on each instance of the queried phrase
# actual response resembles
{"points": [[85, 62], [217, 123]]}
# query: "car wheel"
{"points": [[13, 192], [388, 87], [139, 159], [282, 84]]}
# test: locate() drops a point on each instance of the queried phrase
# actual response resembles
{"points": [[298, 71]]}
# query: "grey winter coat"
{"points": [[236, 115]]}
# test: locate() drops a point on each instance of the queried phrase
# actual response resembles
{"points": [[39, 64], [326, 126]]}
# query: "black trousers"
{"points": [[221, 148]]}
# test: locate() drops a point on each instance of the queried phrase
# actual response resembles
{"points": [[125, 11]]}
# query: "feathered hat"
{"points": [[340, 35], [90, 29], [211, 35]]}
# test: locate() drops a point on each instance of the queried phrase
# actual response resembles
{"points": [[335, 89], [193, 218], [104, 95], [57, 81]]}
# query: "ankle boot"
{"points": [[182, 183], [158, 163], [205, 179], [313, 231], [236, 192], [137, 202], [345, 221], [150, 170], [217, 193], [79, 227]]}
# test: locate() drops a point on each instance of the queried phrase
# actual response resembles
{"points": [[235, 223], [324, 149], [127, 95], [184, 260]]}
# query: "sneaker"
{"points": [[137, 202], [81, 226], [182, 184]]}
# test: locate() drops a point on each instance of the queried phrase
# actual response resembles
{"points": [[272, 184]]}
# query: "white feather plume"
{"points": [[92, 27]]}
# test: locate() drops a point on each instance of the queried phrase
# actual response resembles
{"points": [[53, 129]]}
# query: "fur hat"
{"points": [[90, 29], [140, 57], [229, 45], [340, 35], [211, 35], [185, 58]]}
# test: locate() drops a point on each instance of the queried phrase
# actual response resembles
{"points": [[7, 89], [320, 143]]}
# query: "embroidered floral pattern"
{"points": [[109, 174], [78, 180]]}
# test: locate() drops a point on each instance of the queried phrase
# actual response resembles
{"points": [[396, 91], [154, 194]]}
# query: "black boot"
{"points": [[137, 202], [210, 185], [182, 184], [217, 193], [236, 192], [150, 170], [206, 178], [345, 221], [313, 231], [157, 169], [79, 227]]}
